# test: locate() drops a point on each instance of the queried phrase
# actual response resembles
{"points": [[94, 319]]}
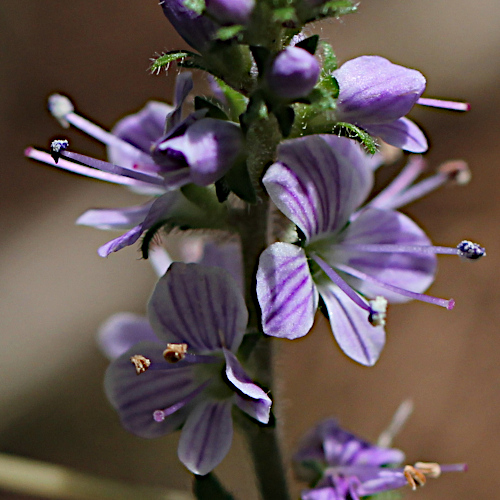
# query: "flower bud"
{"points": [[293, 74], [230, 11]]}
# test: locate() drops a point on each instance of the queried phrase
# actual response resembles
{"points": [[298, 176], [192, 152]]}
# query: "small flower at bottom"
{"points": [[181, 369], [341, 466]]}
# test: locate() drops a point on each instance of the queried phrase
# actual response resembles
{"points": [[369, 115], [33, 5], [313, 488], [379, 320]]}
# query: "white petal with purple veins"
{"points": [[355, 335], [286, 292], [411, 271], [200, 306], [122, 331], [319, 181], [206, 436], [137, 397], [256, 403]]}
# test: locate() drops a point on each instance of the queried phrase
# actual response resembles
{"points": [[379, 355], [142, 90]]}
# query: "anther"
{"points": [[378, 311], [414, 477], [60, 106], [457, 171], [431, 469], [175, 352], [469, 250], [57, 147], [140, 362]]}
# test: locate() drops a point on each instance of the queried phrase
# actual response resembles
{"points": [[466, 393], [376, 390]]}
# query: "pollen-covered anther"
{"points": [[140, 362], [60, 106], [57, 147], [431, 469], [175, 352], [414, 476], [378, 311], [469, 250], [457, 171]]}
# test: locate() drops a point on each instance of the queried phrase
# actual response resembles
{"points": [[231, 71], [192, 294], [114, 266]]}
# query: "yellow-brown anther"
{"points": [[431, 469], [140, 362], [414, 476], [175, 352]]}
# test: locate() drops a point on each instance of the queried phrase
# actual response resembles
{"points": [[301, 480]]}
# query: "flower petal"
{"points": [[141, 130], [114, 218], [286, 292], [355, 335], [137, 397], [319, 181], [200, 306], [402, 133], [206, 436], [122, 331], [384, 481], [374, 90], [411, 271], [253, 400]]}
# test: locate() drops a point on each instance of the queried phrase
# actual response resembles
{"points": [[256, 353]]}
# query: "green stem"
{"points": [[41, 479]]}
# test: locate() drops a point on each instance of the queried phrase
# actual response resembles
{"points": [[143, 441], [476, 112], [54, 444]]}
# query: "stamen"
{"points": [[161, 415], [448, 304], [57, 147], [457, 171], [431, 469], [439, 103], [415, 166], [175, 352], [414, 477], [62, 109], [140, 362], [395, 248], [378, 311], [355, 297], [471, 251], [114, 169]]}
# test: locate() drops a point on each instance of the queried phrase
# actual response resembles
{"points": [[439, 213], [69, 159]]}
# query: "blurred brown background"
{"points": [[55, 290]]}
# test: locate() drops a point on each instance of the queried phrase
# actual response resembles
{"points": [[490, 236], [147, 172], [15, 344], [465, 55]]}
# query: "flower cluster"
{"points": [[276, 171]]}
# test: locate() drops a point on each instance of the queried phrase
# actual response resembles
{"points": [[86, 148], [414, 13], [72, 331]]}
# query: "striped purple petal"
{"points": [[411, 271], [122, 331], [200, 306], [286, 292], [402, 133], [359, 340], [319, 181], [137, 397], [206, 436], [253, 400]]}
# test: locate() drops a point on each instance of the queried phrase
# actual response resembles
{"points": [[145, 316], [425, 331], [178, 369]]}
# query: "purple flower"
{"points": [[293, 73], [350, 467], [153, 152], [230, 11], [355, 258], [376, 95], [182, 370]]}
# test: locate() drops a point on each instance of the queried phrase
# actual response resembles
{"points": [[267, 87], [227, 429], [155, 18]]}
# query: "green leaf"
{"points": [[329, 57], [284, 14], [237, 102], [228, 32], [214, 111], [197, 6], [310, 44], [167, 58], [239, 182], [356, 133]]}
